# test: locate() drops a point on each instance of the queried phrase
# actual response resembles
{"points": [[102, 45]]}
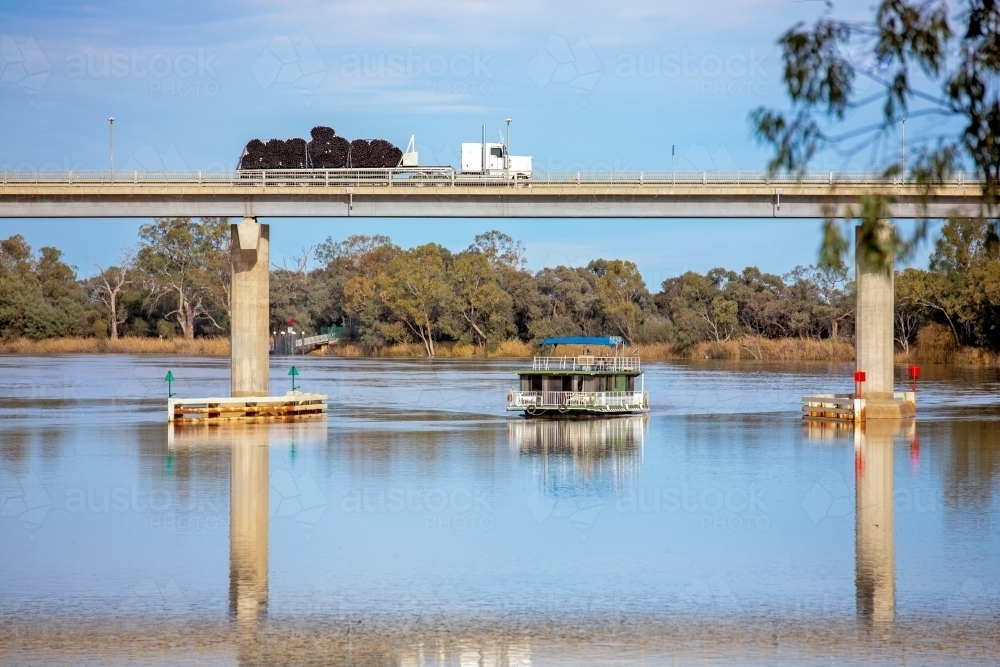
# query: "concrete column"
{"points": [[248, 521], [874, 323], [875, 546], [250, 251]]}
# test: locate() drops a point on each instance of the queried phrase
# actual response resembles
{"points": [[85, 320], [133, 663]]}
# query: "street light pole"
{"points": [[111, 142], [508, 144], [902, 151]]}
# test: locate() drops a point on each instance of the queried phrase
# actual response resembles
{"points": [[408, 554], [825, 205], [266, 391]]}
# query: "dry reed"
{"points": [[936, 345], [784, 349], [508, 349], [127, 345]]}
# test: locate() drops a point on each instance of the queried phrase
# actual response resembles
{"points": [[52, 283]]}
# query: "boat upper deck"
{"points": [[584, 364]]}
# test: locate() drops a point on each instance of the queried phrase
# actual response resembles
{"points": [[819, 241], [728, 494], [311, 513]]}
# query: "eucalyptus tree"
{"points": [[187, 264], [108, 286], [623, 296], [480, 300], [923, 60]]}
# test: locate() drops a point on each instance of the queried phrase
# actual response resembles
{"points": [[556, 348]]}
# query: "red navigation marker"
{"points": [[859, 378]]}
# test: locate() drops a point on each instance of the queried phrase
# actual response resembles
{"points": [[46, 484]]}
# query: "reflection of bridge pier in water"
{"points": [[248, 446], [248, 523], [875, 550]]}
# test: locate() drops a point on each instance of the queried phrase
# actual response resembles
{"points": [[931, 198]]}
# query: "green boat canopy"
{"points": [[608, 341]]}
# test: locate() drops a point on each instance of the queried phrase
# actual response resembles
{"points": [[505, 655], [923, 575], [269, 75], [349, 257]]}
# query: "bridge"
{"points": [[443, 193]]}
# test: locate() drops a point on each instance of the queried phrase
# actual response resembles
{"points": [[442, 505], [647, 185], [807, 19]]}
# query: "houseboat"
{"points": [[581, 386]]}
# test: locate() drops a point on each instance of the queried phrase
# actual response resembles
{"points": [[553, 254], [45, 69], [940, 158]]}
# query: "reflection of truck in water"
{"points": [[493, 159]]}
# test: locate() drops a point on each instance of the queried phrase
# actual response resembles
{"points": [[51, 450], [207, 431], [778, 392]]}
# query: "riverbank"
{"points": [[127, 345], [936, 349], [750, 347]]}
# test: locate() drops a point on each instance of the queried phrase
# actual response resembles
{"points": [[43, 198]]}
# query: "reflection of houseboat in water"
{"points": [[584, 385], [590, 438], [603, 453]]}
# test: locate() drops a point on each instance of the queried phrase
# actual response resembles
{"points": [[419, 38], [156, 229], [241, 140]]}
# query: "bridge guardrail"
{"points": [[446, 176]]}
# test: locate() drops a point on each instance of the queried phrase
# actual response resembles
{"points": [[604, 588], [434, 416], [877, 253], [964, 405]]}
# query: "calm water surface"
{"points": [[419, 525]]}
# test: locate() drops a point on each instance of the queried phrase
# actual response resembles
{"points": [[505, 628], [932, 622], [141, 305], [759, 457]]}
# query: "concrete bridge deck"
{"points": [[443, 193]]}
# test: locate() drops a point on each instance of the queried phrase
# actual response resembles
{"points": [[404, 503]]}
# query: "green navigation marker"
{"points": [[169, 380], [293, 372]]}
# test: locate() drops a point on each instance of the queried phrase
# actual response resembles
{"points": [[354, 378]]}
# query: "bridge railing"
{"points": [[576, 399], [447, 176], [585, 363]]}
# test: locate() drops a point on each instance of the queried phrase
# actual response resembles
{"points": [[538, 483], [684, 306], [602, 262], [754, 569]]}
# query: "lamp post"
{"points": [[111, 143], [507, 161], [902, 151]]}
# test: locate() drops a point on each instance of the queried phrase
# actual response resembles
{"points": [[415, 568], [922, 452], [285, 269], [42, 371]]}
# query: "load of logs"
{"points": [[326, 150]]}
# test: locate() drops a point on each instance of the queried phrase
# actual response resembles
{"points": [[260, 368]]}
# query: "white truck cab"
{"points": [[493, 159]]}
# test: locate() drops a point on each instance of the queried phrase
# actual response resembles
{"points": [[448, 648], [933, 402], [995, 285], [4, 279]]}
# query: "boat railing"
{"points": [[579, 399], [585, 363]]}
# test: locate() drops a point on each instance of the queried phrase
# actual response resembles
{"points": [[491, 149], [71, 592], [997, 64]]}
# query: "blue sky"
{"points": [[590, 85]]}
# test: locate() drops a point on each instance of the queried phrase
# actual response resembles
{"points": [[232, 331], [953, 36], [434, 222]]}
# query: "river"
{"points": [[420, 525]]}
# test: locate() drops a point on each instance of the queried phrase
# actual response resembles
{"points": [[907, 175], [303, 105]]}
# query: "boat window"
{"points": [[536, 383], [567, 383]]}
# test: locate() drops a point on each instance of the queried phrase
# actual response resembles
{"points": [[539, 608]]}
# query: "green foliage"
{"points": [[187, 268], [806, 302], [39, 295], [961, 290], [479, 298], [623, 296], [907, 49], [383, 294]]}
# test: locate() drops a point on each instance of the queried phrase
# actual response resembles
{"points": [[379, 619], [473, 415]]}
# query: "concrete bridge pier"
{"points": [[873, 322], [250, 252], [874, 340]]}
